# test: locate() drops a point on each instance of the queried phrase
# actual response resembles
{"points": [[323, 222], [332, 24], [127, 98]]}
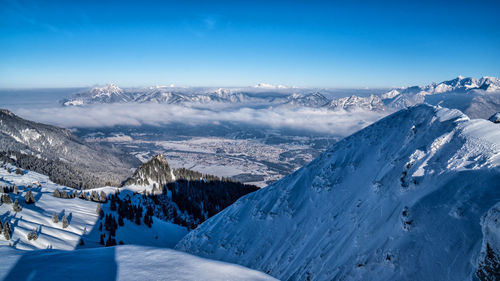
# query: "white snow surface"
{"points": [[118, 263], [399, 200], [56, 255]]}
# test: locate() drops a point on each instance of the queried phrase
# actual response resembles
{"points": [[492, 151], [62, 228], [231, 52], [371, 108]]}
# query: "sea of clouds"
{"points": [[136, 114]]}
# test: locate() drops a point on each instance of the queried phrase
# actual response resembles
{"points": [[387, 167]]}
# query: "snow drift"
{"points": [[402, 199]]}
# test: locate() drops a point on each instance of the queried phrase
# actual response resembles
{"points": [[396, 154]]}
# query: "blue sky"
{"points": [[340, 44]]}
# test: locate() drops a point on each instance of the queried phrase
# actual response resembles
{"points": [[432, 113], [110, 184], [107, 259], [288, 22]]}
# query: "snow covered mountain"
{"points": [[107, 94], [176, 95], [61, 155], [478, 98], [475, 97], [372, 103], [310, 100], [410, 197]]}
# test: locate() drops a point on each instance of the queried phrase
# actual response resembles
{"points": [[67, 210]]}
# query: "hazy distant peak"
{"points": [[270, 86]]}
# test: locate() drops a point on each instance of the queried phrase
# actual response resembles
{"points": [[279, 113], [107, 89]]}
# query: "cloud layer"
{"points": [[107, 115]]}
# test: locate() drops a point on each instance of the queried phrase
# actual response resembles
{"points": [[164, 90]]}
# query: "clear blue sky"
{"points": [[235, 43]]}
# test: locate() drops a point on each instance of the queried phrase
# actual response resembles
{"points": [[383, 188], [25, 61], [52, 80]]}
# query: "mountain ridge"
{"points": [[363, 209], [390, 101]]}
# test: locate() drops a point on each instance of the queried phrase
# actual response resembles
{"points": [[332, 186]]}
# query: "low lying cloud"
{"points": [[108, 115]]}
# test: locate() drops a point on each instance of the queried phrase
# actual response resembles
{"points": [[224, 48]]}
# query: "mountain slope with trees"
{"points": [[61, 155]]}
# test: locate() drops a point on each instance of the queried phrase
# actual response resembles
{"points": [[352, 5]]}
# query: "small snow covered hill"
{"points": [[410, 197]]}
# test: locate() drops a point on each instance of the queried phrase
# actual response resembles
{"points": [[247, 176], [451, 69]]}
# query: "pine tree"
{"points": [[100, 227], [16, 189], [55, 218], [98, 209], [32, 235], [103, 197], [29, 198], [102, 240], [6, 199], [137, 217], [16, 207], [6, 230], [81, 242], [120, 220], [110, 242], [94, 197], [65, 222], [57, 193], [106, 222]]}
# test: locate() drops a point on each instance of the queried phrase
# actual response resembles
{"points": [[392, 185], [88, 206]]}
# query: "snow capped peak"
{"points": [[446, 92], [6, 112], [314, 99], [372, 102], [108, 90]]}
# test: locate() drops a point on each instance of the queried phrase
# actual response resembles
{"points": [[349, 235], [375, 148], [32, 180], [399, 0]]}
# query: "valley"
{"points": [[257, 156]]}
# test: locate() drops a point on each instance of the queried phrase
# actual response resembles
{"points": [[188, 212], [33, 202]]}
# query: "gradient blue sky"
{"points": [[233, 43]]}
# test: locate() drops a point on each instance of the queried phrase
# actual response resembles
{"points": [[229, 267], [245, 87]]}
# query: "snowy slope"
{"points": [[399, 200], [57, 255], [118, 263], [83, 220]]}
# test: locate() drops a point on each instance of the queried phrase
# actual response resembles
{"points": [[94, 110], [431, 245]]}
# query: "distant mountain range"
{"points": [[59, 154], [463, 92]]}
